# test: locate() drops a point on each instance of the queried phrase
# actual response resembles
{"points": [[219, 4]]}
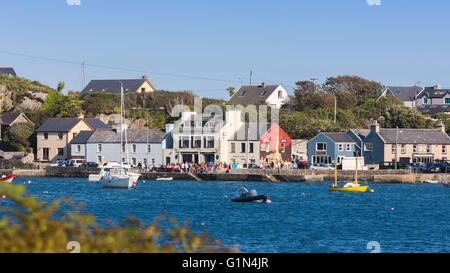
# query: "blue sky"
{"points": [[399, 42]]}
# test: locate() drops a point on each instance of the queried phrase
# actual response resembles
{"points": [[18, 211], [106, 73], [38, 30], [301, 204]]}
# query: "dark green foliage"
{"points": [[18, 135]]}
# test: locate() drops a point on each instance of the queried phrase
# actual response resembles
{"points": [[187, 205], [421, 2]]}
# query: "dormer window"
{"points": [[243, 93], [447, 100], [263, 93]]}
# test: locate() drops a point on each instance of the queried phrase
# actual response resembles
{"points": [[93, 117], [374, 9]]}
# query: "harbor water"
{"points": [[302, 217]]}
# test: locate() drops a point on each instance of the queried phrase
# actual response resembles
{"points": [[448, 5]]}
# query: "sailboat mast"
{"points": [[335, 175], [356, 170]]}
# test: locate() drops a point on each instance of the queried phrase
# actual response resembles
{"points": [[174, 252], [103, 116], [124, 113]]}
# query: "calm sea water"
{"points": [[303, 217]]}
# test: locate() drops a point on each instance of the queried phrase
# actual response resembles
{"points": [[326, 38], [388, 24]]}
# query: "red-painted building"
{"points": [[275, 146]]}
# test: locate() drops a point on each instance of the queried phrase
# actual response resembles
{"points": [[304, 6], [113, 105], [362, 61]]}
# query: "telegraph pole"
{"points": [[251, 73]]}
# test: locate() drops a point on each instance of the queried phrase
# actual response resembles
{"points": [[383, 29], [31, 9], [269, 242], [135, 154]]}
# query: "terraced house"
{"points": [[55, 134], [406, 145], [331, 147]]}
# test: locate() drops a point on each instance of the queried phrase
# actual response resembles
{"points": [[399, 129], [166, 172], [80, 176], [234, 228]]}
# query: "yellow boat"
{"points": [[349, 187]]}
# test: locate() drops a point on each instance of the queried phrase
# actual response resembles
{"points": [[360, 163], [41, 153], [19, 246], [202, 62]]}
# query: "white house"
{"points": [[273, 95]]}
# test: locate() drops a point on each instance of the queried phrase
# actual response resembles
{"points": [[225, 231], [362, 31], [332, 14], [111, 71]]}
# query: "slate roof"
{"points": [[361, 133], [113, 86], [405, 93], [414, 136], [430, 109], [8, 70], [339, 137], [65, 124], [82, 137], [432, 92], [252, 94], [9, 117], [133, 136], [250, 131]]}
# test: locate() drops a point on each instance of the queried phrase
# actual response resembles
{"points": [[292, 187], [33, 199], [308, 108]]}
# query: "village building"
{"points": [[55, 135], [275, 146], [114, 86], [9, 118], [407, 94], [143, 146], [299, 150], [244, 144], [331, 148], [406, 145], [273, 95]]}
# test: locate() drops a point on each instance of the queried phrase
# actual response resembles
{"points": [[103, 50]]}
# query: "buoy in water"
{"points": [[134, 185], [392, 208], [202, 224], [371, 190], [3, 196], [268, 201], [29, 182], [226, 196], [45, 192]]}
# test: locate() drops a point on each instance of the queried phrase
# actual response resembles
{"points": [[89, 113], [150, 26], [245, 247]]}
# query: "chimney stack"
{"points": [[263, 84], [437, 86], [375, 127], [81, 115], [440, 126], [145, 77]]}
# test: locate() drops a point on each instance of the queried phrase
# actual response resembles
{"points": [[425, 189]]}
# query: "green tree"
{"points": [[18, 135], [231, 90], [61, 86], [404, 117]]}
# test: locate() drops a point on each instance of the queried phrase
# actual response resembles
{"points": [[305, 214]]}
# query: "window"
{"points": [[368, 147], [143, 89], [123, 159], [243, 93], [60, 151], [425, 100], [394, 149], [233, 148], [99, 159], [45, 135], [280, 94], [263, 93], [153, 161], [78, 149], [149, 148], [403, 149], [60, 135], [250, 148], [415, 149], [74, 135], [447, 100], [45, 153], [210, 142], [428, 148], [267, 147], [242, 147], [123, 147], [340, 147], [185, 143], [145, 161], [444, 149], [133, 148], [197, 143], [99, 148], [348, 147], [321, 146], [133, 161]]}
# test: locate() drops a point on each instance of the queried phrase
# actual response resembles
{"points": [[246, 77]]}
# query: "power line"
{"points": [[117, 68]]}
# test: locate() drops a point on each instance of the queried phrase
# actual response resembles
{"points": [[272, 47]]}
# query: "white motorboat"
{"points": [[164, 178]]}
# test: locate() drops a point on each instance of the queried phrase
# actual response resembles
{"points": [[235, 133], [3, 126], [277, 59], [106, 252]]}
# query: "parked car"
{"points": [[76, 162], [65, 163], [55, 163], [90, 165], [316, 166], [433, 168], [250, 166], [418, 168]]}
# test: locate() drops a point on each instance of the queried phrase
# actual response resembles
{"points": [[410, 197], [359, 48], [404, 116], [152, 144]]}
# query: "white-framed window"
{"points": [[368, 147], [153, 161], [99, 148], [99, 159], [340, 147], [149, 148], [428, 148], [321, 146], [133, 161], [267, 147], [233, 148], [243, 147], [283, 147], [425, 100], [133, 148], [444, 149], [78, 148], [394, 148], [415, 149], [348, 147], [60, 135], [403, 149]]}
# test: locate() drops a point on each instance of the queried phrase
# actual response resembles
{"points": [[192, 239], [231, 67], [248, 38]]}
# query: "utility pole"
{"points": [[82, 76], [251, 73]]}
